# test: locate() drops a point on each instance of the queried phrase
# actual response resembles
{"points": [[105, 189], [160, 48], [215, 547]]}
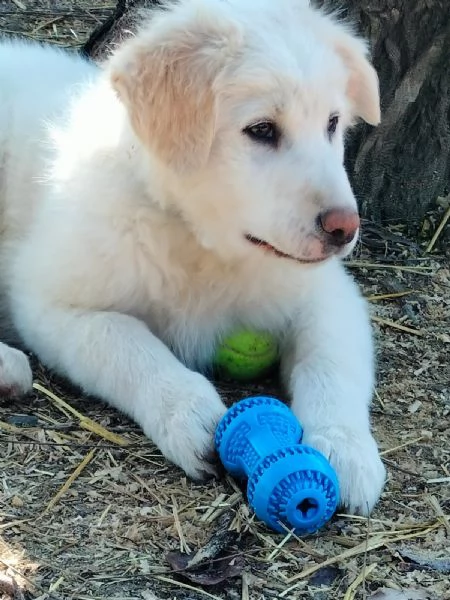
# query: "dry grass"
{"points": [[90, 509], [62, 22]]}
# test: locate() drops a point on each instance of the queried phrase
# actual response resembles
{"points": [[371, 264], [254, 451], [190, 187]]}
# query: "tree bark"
{"points": [[399, 168]]}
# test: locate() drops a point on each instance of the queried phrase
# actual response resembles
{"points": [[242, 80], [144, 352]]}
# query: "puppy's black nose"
{"points": [[339, 225]]}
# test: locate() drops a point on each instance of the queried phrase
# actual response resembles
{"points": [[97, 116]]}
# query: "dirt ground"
{"points": [[91, 513]]}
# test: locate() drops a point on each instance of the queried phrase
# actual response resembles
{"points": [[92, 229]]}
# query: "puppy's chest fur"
{"points": [[191, 300]]}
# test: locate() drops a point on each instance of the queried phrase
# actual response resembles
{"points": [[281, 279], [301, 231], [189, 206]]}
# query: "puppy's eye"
{"points": [[332, 125], [264, 133]]}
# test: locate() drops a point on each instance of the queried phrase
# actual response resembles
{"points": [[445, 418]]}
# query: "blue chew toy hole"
{"points": [[308, 508]]}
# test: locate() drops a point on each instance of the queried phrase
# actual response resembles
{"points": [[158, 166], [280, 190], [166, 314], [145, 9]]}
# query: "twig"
{"points": [[433, 502], [4, 526], [376, 542], [378, 397], [72, 14], [378, 297], [419, 269], [351, 590], [245, 587], [186, 587], [20, 4], [397, 467], [398, 326], [439, 480], [439, 230], [409, 443], [278, 547], [183, 545], [86, 460], [45, 24], [365, 556], [13, 428], [85, 445], [85, 422]]}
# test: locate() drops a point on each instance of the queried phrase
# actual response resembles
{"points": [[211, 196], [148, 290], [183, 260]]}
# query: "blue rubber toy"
{"points": [[289, 483]]}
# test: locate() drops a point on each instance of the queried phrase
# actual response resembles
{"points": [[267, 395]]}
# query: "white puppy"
{"points": [[192, 185]]}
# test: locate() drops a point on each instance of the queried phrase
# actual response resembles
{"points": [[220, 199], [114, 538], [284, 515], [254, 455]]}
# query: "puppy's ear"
{"points": [[165, 77], [363, 88]]}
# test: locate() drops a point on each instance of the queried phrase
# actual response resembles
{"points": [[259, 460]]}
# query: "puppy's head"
{"points": [[245, 105]]}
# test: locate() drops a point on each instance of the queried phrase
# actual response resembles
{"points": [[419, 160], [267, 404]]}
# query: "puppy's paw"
{"points": [[355, 457], [16, 377], [188, 427]]}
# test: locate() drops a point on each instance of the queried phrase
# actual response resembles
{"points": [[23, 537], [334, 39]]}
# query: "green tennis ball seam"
{"points": [[249, 354]]}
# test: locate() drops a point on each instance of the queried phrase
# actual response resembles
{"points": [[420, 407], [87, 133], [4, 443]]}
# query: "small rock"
{"points": [[17, 502], [23, 420], [414, 407]]}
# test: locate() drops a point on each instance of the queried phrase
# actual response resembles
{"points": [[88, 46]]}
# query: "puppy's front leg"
{"points": [[15, 372], [328, 367], [115, 357]]}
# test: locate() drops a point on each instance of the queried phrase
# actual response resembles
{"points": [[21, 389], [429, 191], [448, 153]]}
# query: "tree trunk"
{"points": [[399, 168]]}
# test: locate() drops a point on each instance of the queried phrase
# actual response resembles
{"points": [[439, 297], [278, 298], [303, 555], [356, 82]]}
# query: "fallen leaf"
{"points": [[217, 571], [218, 543], [426, 559], [206, 566]]}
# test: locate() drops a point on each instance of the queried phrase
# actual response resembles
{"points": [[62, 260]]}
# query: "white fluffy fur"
{"points": [[126, 193]]}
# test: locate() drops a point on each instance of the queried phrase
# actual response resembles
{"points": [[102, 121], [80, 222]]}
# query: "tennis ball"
{"points": [[246, 356]]}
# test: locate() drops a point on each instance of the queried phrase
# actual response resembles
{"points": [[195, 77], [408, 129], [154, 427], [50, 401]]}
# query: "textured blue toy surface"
{"points": [[290, 485]]}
